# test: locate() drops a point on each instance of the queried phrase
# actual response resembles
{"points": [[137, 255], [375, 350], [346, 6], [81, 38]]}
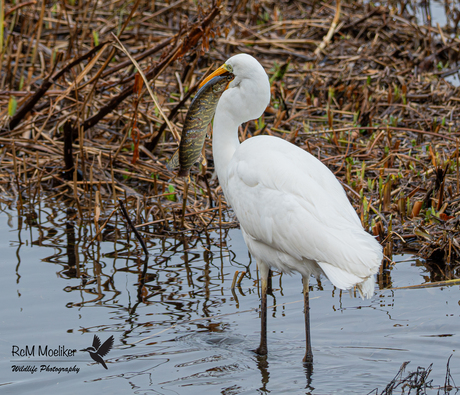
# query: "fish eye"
{"points": [[218, 88]]}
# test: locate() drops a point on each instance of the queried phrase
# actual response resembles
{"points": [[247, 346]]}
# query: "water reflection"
{"points": [[262, 365], [445, 14], [178, 324], [98, 280]]}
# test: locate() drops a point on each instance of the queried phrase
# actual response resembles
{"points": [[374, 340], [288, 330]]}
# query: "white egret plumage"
{"points": [[293, 212]]}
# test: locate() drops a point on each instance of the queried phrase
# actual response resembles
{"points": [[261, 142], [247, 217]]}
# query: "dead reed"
{"points": [[418, 382], [361, 87]]}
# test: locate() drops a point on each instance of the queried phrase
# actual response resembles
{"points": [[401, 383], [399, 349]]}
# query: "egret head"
{"points": [[248, 95]]}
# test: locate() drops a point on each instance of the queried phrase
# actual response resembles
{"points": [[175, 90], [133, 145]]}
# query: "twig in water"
{"points": [[101, 229], [240, 279], [125, 214], [235, 276]]}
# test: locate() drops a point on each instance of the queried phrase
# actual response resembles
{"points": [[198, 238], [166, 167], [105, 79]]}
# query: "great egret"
{"points": [[293, 212]]}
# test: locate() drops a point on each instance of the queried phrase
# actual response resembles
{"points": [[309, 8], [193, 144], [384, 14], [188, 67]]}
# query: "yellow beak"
{"points": [[221, 70]]}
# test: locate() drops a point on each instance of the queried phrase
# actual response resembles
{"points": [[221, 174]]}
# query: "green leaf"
{"points": [[331, 93], [12, 105], [96, 38], [172, 196]]}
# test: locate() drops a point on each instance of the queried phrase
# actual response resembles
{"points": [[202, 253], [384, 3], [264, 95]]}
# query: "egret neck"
{"points": [[245, 99], [224, 144]]}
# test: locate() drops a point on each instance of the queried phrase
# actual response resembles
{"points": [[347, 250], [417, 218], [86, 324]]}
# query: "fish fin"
{"points": [[203, 160], [173, 163]]}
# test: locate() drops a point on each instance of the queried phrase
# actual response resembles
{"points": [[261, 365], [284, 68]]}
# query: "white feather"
{"points": [[294, 213]]}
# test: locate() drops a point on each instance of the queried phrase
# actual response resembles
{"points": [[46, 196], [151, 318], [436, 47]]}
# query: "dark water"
{"points": [[358, 345]]}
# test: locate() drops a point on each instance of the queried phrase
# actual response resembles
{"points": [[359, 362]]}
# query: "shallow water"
{"points": [[189, 333], [441, 13]]}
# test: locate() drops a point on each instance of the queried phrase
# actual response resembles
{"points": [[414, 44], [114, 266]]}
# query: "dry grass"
{"points": [[372, 103], [418, 382]]}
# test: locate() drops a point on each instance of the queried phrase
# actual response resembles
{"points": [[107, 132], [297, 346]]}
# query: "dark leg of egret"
{"points": [[306, 298], [262, 349]]}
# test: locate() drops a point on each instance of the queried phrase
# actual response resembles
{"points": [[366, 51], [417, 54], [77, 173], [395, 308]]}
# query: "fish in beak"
{"points": [[198, 117], [222, 70]]}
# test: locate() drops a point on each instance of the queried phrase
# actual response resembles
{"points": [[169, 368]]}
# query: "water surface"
{"points": [[186, 332]]}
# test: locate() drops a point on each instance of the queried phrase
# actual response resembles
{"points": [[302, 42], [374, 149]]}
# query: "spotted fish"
{"points": [[198, 118]]}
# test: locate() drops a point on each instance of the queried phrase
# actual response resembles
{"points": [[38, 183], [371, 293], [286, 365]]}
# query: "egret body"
{"points": [[293, 212]]}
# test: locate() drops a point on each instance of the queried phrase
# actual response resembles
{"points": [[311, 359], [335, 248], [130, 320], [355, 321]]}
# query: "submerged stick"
{"points": [[235, 276], [131, 225], [435, 284], [68, 157]]}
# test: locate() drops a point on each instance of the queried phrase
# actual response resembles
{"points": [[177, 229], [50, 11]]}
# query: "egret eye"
{"points": [[229, 68]]}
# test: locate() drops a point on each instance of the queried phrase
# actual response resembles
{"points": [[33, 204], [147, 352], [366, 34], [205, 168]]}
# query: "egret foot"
{"points": [[261, 350], [308, 359]]}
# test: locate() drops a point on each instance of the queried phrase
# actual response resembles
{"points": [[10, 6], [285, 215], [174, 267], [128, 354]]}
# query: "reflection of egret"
{"points": [[293, 212]]}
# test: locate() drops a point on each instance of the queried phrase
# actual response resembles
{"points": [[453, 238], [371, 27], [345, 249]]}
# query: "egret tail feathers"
{"points": [[345, 280], [366, 288]]}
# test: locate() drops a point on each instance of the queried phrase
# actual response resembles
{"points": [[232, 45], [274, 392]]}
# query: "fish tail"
{"points": [[173, 163]]}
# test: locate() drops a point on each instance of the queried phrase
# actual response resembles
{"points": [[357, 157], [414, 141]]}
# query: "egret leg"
{"points": [[264, 271], [308, 358]]}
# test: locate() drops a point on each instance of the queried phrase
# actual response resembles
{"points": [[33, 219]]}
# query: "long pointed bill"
{"points": [[221, 70]]}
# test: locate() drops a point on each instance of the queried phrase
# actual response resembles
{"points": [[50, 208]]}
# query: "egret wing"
{"points": [[287, 199]]}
